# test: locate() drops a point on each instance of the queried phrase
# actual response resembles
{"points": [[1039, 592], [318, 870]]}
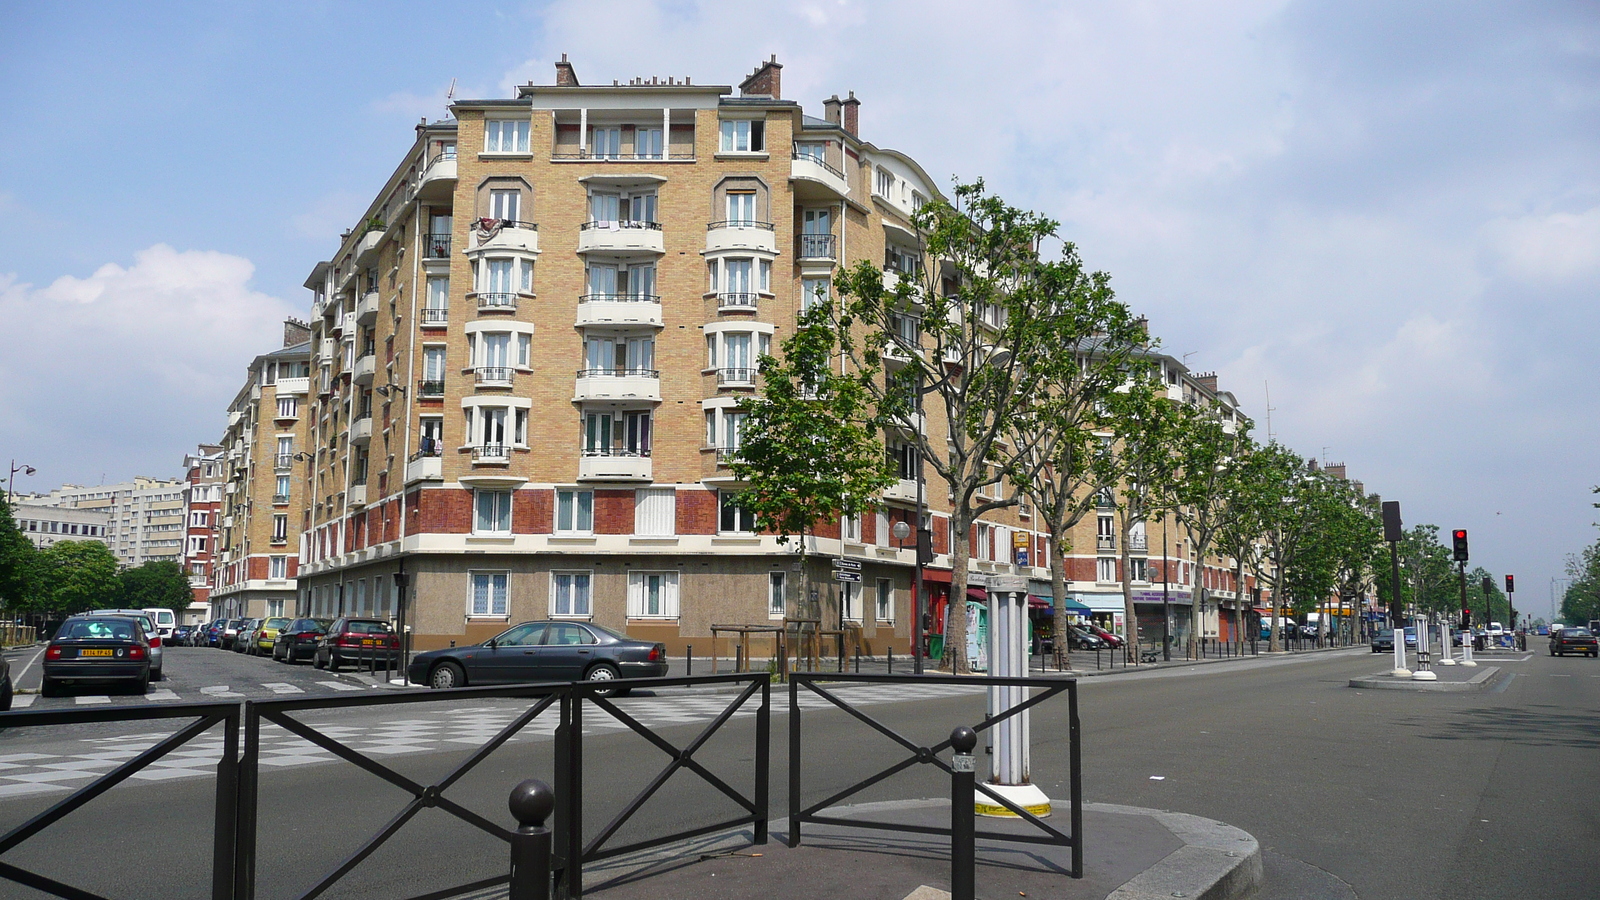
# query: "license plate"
{"points": [[368, 643], [91, 652]]}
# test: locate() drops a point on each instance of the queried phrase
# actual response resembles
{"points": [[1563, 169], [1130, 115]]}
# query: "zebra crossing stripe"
{"points": [[339, 685], [90, 700], [219, 690], [23, 701], [161, 694], [283, 688]]}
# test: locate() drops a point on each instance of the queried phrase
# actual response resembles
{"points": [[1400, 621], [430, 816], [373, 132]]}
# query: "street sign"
{"points": [[851, 577], [850, 564]]}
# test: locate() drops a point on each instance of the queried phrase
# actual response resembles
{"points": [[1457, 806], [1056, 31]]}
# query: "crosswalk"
{"points": [[201, 695], [439, 729]]}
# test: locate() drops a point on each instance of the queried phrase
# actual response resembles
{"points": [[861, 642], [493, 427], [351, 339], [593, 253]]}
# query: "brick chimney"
{"points": [[830, 109], [1208, 381], [1335, 469], [565, 76], [765, 81], [852, 115], [295, 332]]}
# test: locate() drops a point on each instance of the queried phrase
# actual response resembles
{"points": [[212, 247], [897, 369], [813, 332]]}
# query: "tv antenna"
{"points": [[450, 96], [1267, 386]]}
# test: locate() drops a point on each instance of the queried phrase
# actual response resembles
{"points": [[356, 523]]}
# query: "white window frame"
{"points": [[736, 132], [492, 578], [581, 518], [1105, 569], [500, 521], [639, 583], [277, 568], [565, 588], [506, 136], [505, 204], [850, 601], [883, 608], [748, 517], [655, 511], [777, 595]]}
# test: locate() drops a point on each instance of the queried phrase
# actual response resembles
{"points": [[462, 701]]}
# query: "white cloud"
{"points": [[1554, 247], [131, 363]]}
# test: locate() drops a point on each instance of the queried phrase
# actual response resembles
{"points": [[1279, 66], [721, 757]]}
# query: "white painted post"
{"points": [[1445, 658], [1399, 633], [1466, 649], [1010, 772]]}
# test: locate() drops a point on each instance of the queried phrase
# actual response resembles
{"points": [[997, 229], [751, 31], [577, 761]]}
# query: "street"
{"points": [[1372, 794]]}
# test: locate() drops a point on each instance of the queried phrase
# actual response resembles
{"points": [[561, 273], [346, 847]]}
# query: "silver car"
{"points": [[149, 630]]}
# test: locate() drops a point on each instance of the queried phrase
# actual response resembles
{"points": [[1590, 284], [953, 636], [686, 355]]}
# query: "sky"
{"points": [[1385, 217]]}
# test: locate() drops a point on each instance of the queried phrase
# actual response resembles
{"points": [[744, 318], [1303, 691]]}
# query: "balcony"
{"points": [[356, 495], [280, 499], [741, 235], [621, 237], [491, 455], [503, 234], [614, 465], [288, 387], [1137, 543], [436, 246], [424, 467], [619, 309], [817, 247], [1105, 542], [736, 376], [438, 179], [433, 317], [361, 430], [618, 384], [902, 491], [367, 308], [430, 388], [737, 301], [367, 247], [366, 367], [283, 461], [327, 349], [494, 376], [813, 179], [497, 301]]}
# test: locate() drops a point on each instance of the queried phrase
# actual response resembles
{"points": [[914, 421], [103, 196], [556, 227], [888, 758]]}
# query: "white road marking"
{"points": [[89, 700], [23, 701], [219, 690], [18, 679], [161, 694], [340, 685], [283, 688]]}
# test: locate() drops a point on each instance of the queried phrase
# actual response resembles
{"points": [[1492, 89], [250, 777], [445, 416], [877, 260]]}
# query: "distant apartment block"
{"points": [[144, 517], [45, 525]]}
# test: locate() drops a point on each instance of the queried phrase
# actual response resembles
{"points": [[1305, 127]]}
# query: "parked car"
{"points": [[299, 639], [1112, 640], [7, 689], [98, 649], [230, 630], [1574, 639], [247, 632], [357, 640], [152, 636], [166, 623], [1383, 640], [1079, 638], [266, 634], [181, 636], [542, 651]]}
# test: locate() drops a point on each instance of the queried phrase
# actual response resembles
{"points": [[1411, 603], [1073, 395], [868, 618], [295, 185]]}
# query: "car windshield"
{"points": [[1575, 632], [96, 629], [359, 627], [274, 623], [317, 625]]}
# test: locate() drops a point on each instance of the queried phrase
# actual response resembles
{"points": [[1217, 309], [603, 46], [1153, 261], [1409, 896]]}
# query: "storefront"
{"points": [[1157, 612]]}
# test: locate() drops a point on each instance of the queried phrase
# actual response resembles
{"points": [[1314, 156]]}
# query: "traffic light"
{"points": [[1466, 619], [1511, 584], [1460, 535]]}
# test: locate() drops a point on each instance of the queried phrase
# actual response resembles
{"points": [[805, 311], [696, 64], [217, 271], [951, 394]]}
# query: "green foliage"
{"points": [[155, 584], [77, 575], [19, 562], [1490, 607], [1580, 604]]}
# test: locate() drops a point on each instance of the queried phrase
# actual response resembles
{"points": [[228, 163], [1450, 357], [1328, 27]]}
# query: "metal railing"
{"points": [[431, 453], [283, 461], [621, 157], [491, 453], [436, 246], [491, 222], [619, 298], [1137, 542], [736, 376], [737, 300], [430, 387], [620, 225], [1105, 542], [819, 161], [433, 315], [961, 843], [280, 499], [501, 375], [619, 373], [741, 223], [497, 300], [817, 246], [635, 452]]}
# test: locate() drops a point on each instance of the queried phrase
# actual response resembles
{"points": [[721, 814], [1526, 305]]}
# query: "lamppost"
{"points": [[1166, 604], [11, 481], [901, 531]]}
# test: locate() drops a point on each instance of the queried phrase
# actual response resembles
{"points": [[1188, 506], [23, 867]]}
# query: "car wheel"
{"points": [[604, 672], [333, 662], [50, 688], [447, 675], [158, 674], [316, 660], [5, 696], [142, 686]]}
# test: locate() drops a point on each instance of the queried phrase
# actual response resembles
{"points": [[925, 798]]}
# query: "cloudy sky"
{"points": [[1386, 214]]}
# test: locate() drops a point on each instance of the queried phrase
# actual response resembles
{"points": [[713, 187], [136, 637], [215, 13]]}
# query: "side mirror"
{"points": [[491, 643]]}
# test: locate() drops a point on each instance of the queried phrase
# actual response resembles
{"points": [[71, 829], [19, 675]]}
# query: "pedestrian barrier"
{"points": [[961, 835]]}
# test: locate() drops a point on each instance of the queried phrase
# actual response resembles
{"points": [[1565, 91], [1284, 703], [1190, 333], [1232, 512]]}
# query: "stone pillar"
{"points": [[1010, 773]]}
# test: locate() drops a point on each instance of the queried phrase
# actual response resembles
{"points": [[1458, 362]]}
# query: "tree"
{"points": [[1089, 351], [18, 563], [78, 576], [1208, 453], [155, 584], [1276, 489], [962, 332], [1580, 604], [1428, 577]]}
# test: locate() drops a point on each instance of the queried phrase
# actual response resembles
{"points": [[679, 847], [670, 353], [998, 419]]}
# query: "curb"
{"points": [[1478, 682]]}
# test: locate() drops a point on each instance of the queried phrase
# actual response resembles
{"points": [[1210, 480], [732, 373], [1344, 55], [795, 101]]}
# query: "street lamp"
{"points": [[901, 531], [11, 482]]}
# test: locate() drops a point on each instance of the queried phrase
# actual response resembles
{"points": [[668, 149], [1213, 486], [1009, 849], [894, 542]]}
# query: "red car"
{"points": [[1115, 641]]}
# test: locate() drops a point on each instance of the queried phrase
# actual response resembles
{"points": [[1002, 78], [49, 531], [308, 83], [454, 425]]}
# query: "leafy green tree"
{"points": [[1208, 453], [155, 584], [1487, 606], [1580, 604], [19, 562], [1278, 496], [1429, 582], [78, 575], [1251, 506]]}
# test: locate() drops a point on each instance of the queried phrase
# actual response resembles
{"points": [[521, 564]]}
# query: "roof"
{"points": [[812, 123], [301, 349]]}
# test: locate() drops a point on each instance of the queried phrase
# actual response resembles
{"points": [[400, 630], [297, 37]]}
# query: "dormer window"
{"points": [[743, 136], [505, 136]]}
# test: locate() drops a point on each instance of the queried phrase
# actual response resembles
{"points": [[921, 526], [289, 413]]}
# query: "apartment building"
{"points": [[205, 477], [144, 517], [45, 525], [257, 550]]}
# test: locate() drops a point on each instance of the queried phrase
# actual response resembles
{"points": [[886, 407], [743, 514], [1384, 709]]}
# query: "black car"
{"points": [[542, 651], [1574, 639], [299, 640], [1079, 638], [357, 640], [7, 689], [97, 649]]}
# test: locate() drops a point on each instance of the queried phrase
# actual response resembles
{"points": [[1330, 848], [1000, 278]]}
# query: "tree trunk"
{"points": [[1272, 639], [1058, 591], [1127, 586], [1238, 601], [955, 629], [1196, 580]]}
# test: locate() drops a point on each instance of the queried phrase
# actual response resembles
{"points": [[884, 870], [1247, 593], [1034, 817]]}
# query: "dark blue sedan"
{"points": [[542, 651]]}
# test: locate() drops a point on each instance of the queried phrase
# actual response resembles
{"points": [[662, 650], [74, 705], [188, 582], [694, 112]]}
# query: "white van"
{"points": [[165, 621]]}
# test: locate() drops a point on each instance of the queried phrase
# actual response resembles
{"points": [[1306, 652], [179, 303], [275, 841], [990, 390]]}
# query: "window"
{"points": [[884, 186], [489, 593], [1105, 569], [850, 601], [492, 512], [433, 370], [494, 349], [570, 594], [274, 608], [742, 208], [737, 272], [288, 407], [813, 150], [647, 143], [438, 293], [733, 430], [735, 519], [613, 210], [655, 511], [885, 610], [903, 459], [280, 529], [813, 291], [505, 136], [742, 136], [199, 518], [652, 595], [1136, 569], [574, 512], [776, 595], [852, 528], [605, 143], [277, 567], [432, 428], [282, 488], [505, 205], [197, 544], [881, 536]]}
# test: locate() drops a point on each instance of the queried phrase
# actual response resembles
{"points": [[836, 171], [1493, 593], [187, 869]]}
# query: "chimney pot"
{"points": [[852, 115], [830, 108], [765, 81], [566, 76]]}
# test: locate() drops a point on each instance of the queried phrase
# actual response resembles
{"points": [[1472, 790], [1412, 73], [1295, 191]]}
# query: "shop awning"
{"points": [[974, 593], [1037, 602]]}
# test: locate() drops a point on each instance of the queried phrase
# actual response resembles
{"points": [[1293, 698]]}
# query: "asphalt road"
{"points": [[1373, 794]]}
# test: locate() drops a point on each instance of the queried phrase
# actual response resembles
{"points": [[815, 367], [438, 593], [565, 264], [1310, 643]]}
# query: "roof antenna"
{"points": [[450, 97]]}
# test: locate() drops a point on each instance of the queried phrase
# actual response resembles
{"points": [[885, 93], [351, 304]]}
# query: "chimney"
{"points": [[852, 115], [1361, 489], [1335, 469], [295, 332], [830, 109], [1208, 381], [565, 76], [764, 81]]}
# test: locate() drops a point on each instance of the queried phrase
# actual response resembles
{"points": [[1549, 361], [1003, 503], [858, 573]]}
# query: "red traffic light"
{"points": [[1460, 535], [1511, 584]]}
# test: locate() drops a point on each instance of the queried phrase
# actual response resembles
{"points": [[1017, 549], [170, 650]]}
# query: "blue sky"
{"points": [[1389, 213]]}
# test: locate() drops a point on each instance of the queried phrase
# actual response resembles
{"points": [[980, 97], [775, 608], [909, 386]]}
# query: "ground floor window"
{"points": [[653, 595], [570, 594], [489, 593], [885, 611], [1105, 568], [850, 601], [776, 594]]}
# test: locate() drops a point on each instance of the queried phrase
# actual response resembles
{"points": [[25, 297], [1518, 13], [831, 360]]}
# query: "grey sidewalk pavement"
{"points": [[1129, 854]]}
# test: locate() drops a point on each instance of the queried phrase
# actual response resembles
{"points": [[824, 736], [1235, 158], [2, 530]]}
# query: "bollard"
{"points": [[531, 803], [891, 660], [689, 660], [858, 659], [738, 659], [963, 882]]}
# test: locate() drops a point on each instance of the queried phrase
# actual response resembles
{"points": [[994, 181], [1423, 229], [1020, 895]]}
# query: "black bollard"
{"points": [[531, 803], [963, 882], [891, 660], [689, 659]]}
